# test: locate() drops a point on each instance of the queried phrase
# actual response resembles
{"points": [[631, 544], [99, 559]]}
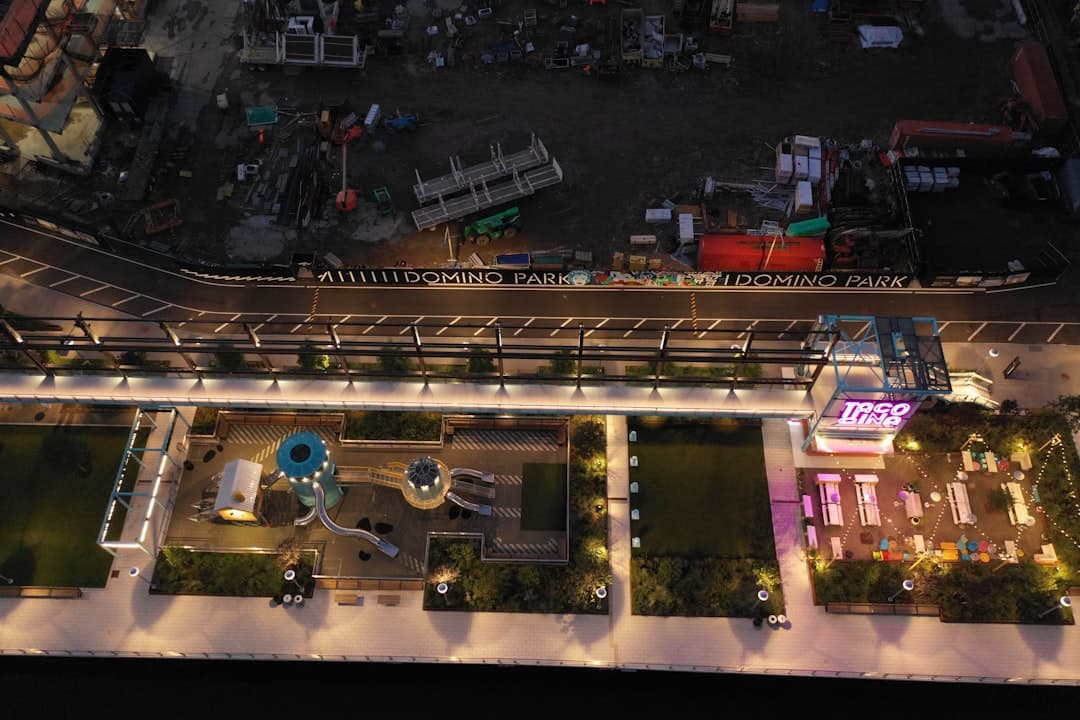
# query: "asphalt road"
{"points": [[146, 285]]}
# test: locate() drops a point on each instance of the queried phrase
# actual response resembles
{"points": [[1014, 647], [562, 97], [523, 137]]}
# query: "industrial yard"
{"points": [[694, 131]]}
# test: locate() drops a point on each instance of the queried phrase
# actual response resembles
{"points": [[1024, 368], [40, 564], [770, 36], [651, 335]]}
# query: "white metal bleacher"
{"points": [[959, 503], [829, 490], [866, 493]]}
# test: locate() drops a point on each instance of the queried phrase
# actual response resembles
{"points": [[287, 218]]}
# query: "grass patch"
{"points": [[53, 494], [543, 496], [188, 572], [703, 491]]}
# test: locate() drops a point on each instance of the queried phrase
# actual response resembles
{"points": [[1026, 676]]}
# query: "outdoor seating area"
{"points": [[905, 508]]}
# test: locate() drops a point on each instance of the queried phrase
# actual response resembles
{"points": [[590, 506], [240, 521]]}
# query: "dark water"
{"points": [[211, 688]]}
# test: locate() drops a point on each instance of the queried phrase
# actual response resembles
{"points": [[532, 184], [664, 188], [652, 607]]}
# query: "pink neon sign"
{"points": [[868, 413]]}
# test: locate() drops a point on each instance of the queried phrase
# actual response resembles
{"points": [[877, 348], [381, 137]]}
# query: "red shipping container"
{"points": [[756, 253], [1038, 87]]}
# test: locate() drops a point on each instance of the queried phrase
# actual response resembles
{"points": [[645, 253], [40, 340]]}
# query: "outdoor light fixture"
{"points": [[334, 336], [11, 332], [906, 586], [441, 588], [85, 327], [252, 336], [1064, 602], [170, 334]]}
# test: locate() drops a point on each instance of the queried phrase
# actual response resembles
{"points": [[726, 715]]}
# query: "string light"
{"points": [[1070, 486]]}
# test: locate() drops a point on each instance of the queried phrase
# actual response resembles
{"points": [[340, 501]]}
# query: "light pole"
{"points": [[906, 586], [6, 579], [1064, 602]]}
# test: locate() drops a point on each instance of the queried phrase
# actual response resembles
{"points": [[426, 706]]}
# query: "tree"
{"points": [[562, 363], [480, 361], [1069, 407], [310, 360], [393, 364]]}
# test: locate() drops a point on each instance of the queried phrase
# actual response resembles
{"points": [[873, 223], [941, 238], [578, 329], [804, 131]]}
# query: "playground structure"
{"points": [[304, 461]]}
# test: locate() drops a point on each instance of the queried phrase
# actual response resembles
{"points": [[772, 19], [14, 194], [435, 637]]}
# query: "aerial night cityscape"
{"points": [[702, 347]]}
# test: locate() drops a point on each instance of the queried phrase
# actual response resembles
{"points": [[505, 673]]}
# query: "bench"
{"points": [[829, 491], [389, 600], [869, 513], [348, 599], [1018, 512], [1048, 556], [837, 548], [920, 544], [959, 503], [808, 507], [969, 462], [811, 537]]}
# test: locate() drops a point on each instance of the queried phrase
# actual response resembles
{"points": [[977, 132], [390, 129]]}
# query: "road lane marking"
{"points": [[976, 332], [1014, 332]]}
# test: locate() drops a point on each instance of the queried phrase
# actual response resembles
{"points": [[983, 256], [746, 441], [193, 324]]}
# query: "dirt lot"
{"points": [[624, 145]]}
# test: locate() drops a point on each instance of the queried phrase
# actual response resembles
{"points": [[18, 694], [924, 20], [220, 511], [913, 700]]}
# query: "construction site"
{"points": [[657, 135]]}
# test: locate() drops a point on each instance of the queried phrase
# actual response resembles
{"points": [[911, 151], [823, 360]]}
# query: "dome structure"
{"points": [[305, 459]]}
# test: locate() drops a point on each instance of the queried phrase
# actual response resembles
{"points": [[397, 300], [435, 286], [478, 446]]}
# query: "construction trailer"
{"points": [[744, 252], [970, 137]]}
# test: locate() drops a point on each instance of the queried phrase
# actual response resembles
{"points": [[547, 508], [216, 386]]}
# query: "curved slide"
{"points": [[320, 507], [462, 502], [306, 518]]}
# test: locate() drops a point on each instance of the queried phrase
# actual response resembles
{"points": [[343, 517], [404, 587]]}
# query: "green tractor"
{"points": [[493, 227]]}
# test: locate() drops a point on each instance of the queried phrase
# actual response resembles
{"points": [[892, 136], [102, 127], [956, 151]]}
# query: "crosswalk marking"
{"points": [[547, 548], [515, 440], [507, 479], [258, 434], [506, 512]]}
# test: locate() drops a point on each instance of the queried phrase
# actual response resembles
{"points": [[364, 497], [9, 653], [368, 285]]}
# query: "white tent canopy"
{"points": [[239, 479]]}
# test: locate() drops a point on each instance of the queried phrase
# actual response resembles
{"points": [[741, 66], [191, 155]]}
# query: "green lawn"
{"points": [[543, 496], [54, 489], [703, 491]]}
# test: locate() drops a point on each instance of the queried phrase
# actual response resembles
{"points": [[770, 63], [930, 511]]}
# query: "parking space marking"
{"points": [[91, 292], [631, 330], [449, 325], [409, 327], [127, 299], [705, 332], [976, 332], [556, 330], [377, 322], [61, 282], [527, 324], [488, 324], [34, 271], [599, 325], [1017, 330], [1054, 334], [166, 306], [749, 328]]}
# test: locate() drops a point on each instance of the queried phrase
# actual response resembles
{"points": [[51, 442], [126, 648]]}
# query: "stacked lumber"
{"points": [[757, 12]]}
